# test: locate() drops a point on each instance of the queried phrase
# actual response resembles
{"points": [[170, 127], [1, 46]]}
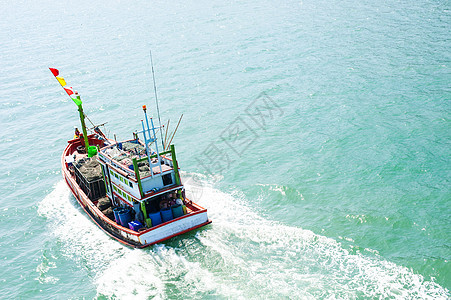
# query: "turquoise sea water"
{"points": [[341, 191]]}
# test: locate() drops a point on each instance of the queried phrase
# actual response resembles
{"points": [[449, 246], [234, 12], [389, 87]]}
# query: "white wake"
{"points": [[240, 255]]}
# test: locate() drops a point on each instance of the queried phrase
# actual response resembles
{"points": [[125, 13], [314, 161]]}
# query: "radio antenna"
{"points": [[156, 98]]}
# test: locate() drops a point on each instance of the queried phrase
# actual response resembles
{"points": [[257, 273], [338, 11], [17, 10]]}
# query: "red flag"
{"points": [[54, 71], [69, 90]]}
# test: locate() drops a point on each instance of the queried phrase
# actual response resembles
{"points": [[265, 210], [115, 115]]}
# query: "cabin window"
{"points": [[130, 184], [167, 179], [129, 198]]}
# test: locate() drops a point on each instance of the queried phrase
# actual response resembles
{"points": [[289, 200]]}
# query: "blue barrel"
{"points": [[125, 217], [116, 211], [177, 210], [166, 214], [155, 218], [135, 225]]}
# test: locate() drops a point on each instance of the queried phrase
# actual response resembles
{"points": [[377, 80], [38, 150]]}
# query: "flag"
{"points": [[69, 91], [73, 94], [76, 99], [61, 81], [54, 71]]}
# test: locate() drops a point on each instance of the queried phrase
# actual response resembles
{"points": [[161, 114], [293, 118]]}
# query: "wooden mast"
{"points": [[82, 120]]}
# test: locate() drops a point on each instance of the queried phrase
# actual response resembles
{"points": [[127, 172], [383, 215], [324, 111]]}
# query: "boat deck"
{"points": [[73, 152], [122, 154]]}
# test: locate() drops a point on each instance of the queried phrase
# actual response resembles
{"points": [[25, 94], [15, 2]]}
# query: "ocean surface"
{"points": [[316, 133]]}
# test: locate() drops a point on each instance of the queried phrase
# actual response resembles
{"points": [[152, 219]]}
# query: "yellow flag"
{"points": [[61, 81]]}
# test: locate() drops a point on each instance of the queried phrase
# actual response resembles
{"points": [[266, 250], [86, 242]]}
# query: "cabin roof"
{"points": [[121, 156]]}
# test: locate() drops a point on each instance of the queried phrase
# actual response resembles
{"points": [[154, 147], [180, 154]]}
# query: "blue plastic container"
{"points": [[156, 218], [135, 225], [166, 214], [116, 211], [177, 211], [125, 217]]}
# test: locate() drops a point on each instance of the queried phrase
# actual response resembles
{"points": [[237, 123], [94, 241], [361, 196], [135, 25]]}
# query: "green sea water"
{"points": [[316, 133]]}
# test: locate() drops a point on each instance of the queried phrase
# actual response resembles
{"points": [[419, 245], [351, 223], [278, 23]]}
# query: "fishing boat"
{"points": [[133, 192]]}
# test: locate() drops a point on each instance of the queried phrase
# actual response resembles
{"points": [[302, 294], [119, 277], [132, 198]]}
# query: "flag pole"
{"points": [[77, 100], [83, 125], [175, 131], [166, 135], [156, 98]]}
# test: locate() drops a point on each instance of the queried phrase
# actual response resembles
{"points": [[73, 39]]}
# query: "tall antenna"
{"points": [[156, 98]]}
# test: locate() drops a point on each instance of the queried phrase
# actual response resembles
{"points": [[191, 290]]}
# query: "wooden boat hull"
{"points": [[141, 239]]}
